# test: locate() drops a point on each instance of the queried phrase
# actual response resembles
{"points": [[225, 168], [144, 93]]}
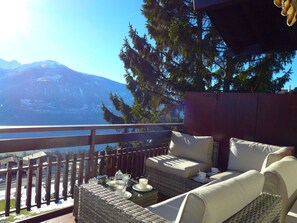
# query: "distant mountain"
{"points": [[49, 93], [9, 65]]}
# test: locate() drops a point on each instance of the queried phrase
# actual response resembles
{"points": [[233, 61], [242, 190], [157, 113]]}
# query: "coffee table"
{"points": [[143, 199], [99, 204]]}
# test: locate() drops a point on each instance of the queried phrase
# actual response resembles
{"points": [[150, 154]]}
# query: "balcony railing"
{"points": [[55, 175]]}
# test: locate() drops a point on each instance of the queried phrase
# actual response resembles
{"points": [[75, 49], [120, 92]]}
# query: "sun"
{"points": [[13, 18]]}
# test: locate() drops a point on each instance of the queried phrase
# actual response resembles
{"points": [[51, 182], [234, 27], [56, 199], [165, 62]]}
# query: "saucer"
{"points": [[111, 183], [211, 173], [120, 182], [201, 180], [127, 195], [137, 187]]}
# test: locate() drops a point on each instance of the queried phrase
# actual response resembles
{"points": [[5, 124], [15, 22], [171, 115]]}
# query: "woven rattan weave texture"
{"points": [[98, 204]]}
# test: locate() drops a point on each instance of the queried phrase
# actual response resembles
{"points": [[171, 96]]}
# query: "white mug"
{"points": [[121, 189], [143, 182]]}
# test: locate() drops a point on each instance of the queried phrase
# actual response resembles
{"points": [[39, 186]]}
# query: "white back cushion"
{"points": [[218, 202], [247, 155], [198, 148]]}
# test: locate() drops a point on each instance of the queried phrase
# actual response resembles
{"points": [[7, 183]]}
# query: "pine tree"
{"points": [[184, 52]]}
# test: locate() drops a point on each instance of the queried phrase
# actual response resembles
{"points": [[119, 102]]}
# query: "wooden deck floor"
{"points": [[68, 218]]}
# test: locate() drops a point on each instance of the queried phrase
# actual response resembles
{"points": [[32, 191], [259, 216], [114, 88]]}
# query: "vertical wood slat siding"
{"points": [[8, 188], [48, 180], [38, 183], [18, 195]]}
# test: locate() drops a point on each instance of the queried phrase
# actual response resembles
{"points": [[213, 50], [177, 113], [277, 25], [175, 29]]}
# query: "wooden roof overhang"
{"points": [[250, 26]]}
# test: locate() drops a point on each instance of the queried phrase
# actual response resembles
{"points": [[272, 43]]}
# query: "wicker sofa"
{"points": [[209, 203], [187, 155], [247, 155]]}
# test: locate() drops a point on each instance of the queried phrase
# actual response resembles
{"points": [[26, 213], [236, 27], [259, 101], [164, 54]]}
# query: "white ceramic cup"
{"points": [[120, 190], [214, 170], [202, 175], [143, 182]]}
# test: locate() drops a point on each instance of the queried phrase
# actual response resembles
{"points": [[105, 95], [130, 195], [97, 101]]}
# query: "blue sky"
{"points": [[85, 35]]}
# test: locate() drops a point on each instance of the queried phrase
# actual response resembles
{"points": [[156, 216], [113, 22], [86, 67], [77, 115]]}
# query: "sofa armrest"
{"points": [[276, 156]]}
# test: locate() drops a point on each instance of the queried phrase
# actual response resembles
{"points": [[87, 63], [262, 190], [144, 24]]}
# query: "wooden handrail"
{"points": [[43, 128]]}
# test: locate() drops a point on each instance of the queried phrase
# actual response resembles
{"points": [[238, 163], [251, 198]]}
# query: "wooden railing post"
{"points": [[65, 177], [87, 170], [8, 188], [29, 184], [96, 164], [48, 180], [57, 178], [73, 174], [91, 154], [81, 169], [124, 159], [102, 164], [18, 193], [38, 183]]}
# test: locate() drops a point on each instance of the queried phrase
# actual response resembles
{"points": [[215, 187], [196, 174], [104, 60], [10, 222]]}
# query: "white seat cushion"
{"points": [[177, 166], [225, 175], [198, 148], [247, 155], [218, 202], [169, 208]]}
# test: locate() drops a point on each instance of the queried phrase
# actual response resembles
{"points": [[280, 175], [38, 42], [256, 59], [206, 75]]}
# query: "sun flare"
{"points": [[13, 18]]}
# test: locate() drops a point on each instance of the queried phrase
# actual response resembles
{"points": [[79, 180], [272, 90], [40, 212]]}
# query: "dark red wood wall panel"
{"points": [[267, 118], [277, 119], [201, 105]]}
